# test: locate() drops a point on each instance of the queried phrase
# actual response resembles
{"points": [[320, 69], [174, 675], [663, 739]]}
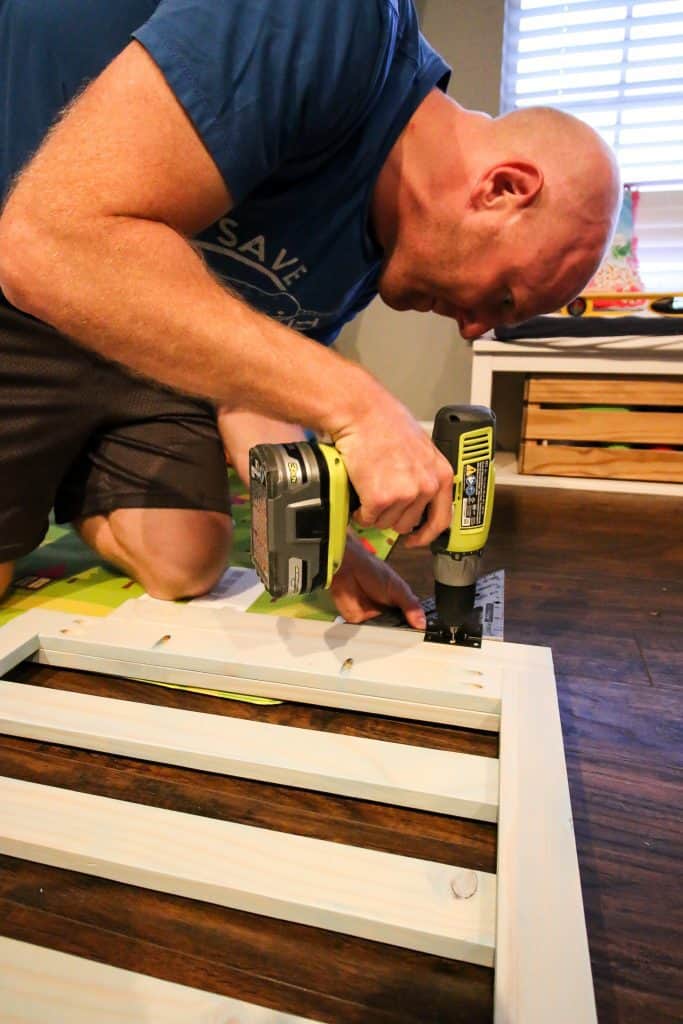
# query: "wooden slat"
{"points": [[606, 390], [209, 682], [383, 670], [440, 781], [398, 900], [39, 985], [489, 662], [542, 965], [613, 427], [621, 464]]}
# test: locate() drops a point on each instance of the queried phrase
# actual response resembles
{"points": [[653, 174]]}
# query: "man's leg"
{"points": [[6, 569], [140, 469], [172, 553], [44, 422]]}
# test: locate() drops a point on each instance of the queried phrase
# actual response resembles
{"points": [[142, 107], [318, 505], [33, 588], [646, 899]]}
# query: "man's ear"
{"points": [[514, 185]]}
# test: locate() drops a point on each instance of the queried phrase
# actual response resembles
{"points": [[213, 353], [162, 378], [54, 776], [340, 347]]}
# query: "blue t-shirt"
{"points": [[297, 101]]}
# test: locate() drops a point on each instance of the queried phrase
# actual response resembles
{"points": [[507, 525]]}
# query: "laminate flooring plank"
{"points": [[622, 1004], [627, 823], [610, 794], [597, 605], [621, 723], [664, 664], [620, 535]]}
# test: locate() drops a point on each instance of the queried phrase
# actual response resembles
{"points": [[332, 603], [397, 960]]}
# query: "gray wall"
{"points": [[421, 357]]}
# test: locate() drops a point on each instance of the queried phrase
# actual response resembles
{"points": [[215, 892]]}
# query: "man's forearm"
{"points": [[136, 292]]}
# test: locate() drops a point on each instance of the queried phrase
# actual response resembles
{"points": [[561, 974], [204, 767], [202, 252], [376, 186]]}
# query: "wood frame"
{"points": [[527, 919]]}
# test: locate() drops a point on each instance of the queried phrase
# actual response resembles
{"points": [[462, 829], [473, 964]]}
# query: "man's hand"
{"points": [[365, 586], [397, 471]]}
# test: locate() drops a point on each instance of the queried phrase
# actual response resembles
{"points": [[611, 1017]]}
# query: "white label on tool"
{"points": [[475, 481], [295, 566]]}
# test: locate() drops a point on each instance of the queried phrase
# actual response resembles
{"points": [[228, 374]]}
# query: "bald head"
{"points": [[492, 220], [581, 190], [566, 145]]}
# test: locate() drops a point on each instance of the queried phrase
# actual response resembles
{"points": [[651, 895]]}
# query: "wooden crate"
{"points": [[627, 428]]}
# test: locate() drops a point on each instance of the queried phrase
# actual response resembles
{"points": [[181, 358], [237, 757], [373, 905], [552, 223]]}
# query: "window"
{"points": [[618, 66]]}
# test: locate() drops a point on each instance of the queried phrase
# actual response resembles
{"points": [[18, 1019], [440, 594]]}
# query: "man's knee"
{"points": [[172, 553], [181, 553], [6, 571]]}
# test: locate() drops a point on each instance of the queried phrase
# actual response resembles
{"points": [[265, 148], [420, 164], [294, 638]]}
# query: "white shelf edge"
{"points": [[659, 345]]}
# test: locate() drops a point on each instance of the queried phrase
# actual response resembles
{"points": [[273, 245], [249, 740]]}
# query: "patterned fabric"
{"points": [[619, 271]]}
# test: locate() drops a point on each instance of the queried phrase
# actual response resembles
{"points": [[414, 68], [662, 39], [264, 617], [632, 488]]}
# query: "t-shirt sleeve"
{"points": [[264, 81]]}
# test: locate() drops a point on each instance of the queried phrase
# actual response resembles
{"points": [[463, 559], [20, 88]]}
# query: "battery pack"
{"points": [[290, 516]]}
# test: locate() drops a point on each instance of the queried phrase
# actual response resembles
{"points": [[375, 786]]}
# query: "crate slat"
{"points": [[611, 427], [624, 464], [665, 391]]}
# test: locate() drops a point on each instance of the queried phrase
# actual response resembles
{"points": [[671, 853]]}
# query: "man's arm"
{"points": [[95, 239], [240, 430]]}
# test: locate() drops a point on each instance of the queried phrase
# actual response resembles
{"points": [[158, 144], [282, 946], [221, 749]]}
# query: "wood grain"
{"points": [[606, 390], [542, 968], [607, 463], [557, 424], [296, 969], [334, 664]]}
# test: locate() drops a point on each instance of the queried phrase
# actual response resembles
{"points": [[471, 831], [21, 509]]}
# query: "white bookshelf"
{"points": [[622, 355]]}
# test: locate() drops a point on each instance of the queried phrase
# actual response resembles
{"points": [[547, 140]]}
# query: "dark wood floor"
{"points": [[596, 577]]}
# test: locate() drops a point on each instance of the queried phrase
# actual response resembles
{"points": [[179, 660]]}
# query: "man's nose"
{"points": [[472, 327]]}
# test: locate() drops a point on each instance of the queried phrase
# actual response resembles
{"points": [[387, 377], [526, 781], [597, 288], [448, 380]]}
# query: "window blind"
{"points": [[618, 66], [659, 228]]}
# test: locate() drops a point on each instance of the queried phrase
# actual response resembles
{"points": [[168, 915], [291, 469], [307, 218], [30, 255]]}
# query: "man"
{"points": [[231, 181]]}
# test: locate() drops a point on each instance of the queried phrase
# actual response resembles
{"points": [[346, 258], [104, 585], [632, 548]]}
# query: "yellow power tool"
{"points": [[302, 499]]}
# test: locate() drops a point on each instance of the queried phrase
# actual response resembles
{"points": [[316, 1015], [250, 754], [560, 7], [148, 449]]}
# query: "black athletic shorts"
{"points": [[83, 436]]}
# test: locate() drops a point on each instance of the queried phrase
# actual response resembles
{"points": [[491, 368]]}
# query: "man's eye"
{"points": [[507, 304]]}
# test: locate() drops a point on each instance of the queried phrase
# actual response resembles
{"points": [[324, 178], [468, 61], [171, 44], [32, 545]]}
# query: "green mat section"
{"points": [[63, 574]]}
